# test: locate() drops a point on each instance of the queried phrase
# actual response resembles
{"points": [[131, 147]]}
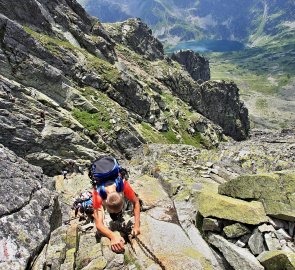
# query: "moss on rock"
{"points": [[277, 260], [275, 190], [235, 230], [215, 205]]}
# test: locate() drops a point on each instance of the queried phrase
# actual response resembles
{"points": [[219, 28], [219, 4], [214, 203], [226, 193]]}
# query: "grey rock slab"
{"points": [[185, 212], [266, 228], [30, 210], [238, 258], [282, 234], [170, 244], [272, 242], [89, 252], [211, 224], [256, 242]]}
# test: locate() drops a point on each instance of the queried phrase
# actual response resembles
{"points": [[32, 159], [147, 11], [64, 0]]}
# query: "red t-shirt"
{"points": [[128, 193]]}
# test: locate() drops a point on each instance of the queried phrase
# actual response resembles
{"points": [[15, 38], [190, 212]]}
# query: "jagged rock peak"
{"points": [[64, 19], [137, 36], [196, 65], [44, 15], [221, 104]]}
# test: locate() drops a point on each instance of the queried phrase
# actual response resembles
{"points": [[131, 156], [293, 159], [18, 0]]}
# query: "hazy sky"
{"points": [[82, 2]]}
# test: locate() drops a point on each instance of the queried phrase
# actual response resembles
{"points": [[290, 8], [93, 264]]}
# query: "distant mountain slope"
{"points": [[204, 19]]}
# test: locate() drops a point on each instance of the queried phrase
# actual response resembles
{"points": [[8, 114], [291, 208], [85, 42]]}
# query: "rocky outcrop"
{"points": [[264, 188], [232, 117], [196, 65], [72, 245], [66, 66], [193, 182], [269, 235], [218, 101], [51, 72], [223, 207], [68, 93], [138, 37], [264, 152], [29, 210]]}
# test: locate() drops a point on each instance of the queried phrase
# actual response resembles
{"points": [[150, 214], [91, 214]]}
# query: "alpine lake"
{"points": [[207, 46]]}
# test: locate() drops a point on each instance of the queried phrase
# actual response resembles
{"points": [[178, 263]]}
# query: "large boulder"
{"points": [[275, 190], [277, 260], [238, 258], [215, 205], [29, 210], [196, 65]]}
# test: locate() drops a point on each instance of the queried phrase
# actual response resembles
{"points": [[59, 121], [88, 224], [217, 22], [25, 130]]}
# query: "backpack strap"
{"points": [[102, 192], [119, 184]]}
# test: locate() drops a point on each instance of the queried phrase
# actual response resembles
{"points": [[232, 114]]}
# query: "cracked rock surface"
{"points": [[29, 210]]}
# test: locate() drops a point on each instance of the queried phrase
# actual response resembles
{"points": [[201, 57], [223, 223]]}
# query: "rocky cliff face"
{"points": [[29, 210], [72, 89], [79, 88]]}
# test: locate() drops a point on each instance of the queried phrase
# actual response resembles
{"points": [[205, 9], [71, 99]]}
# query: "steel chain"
{"points": [[126, 229], [154, 257]]}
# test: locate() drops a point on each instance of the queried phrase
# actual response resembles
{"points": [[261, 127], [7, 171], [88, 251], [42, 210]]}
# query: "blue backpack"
{"points": [[83, 203], [106, 169]]}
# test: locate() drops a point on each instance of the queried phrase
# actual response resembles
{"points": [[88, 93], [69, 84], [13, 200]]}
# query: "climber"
{"points": [[83, 205], [64, 173], [42, 117], [110, 187]]}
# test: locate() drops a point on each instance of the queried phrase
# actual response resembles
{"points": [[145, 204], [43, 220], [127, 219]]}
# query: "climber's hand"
{"points": [[117, 244], [135, 231]]}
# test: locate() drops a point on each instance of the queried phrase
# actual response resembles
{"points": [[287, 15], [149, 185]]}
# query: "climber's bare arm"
{"points": [[136, 207], [117, 242]]}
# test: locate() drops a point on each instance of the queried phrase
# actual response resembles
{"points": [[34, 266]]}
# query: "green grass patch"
{"points": [[170, 136], [194, 140], [151, 134], [261, 104], [92, 121]]}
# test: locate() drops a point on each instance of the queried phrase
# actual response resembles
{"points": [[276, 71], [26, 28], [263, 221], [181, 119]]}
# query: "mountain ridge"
{"points": [[73, 89], [189, 20]]}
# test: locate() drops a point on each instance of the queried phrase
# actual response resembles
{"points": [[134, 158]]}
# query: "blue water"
{"points": [[208, 46]]}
